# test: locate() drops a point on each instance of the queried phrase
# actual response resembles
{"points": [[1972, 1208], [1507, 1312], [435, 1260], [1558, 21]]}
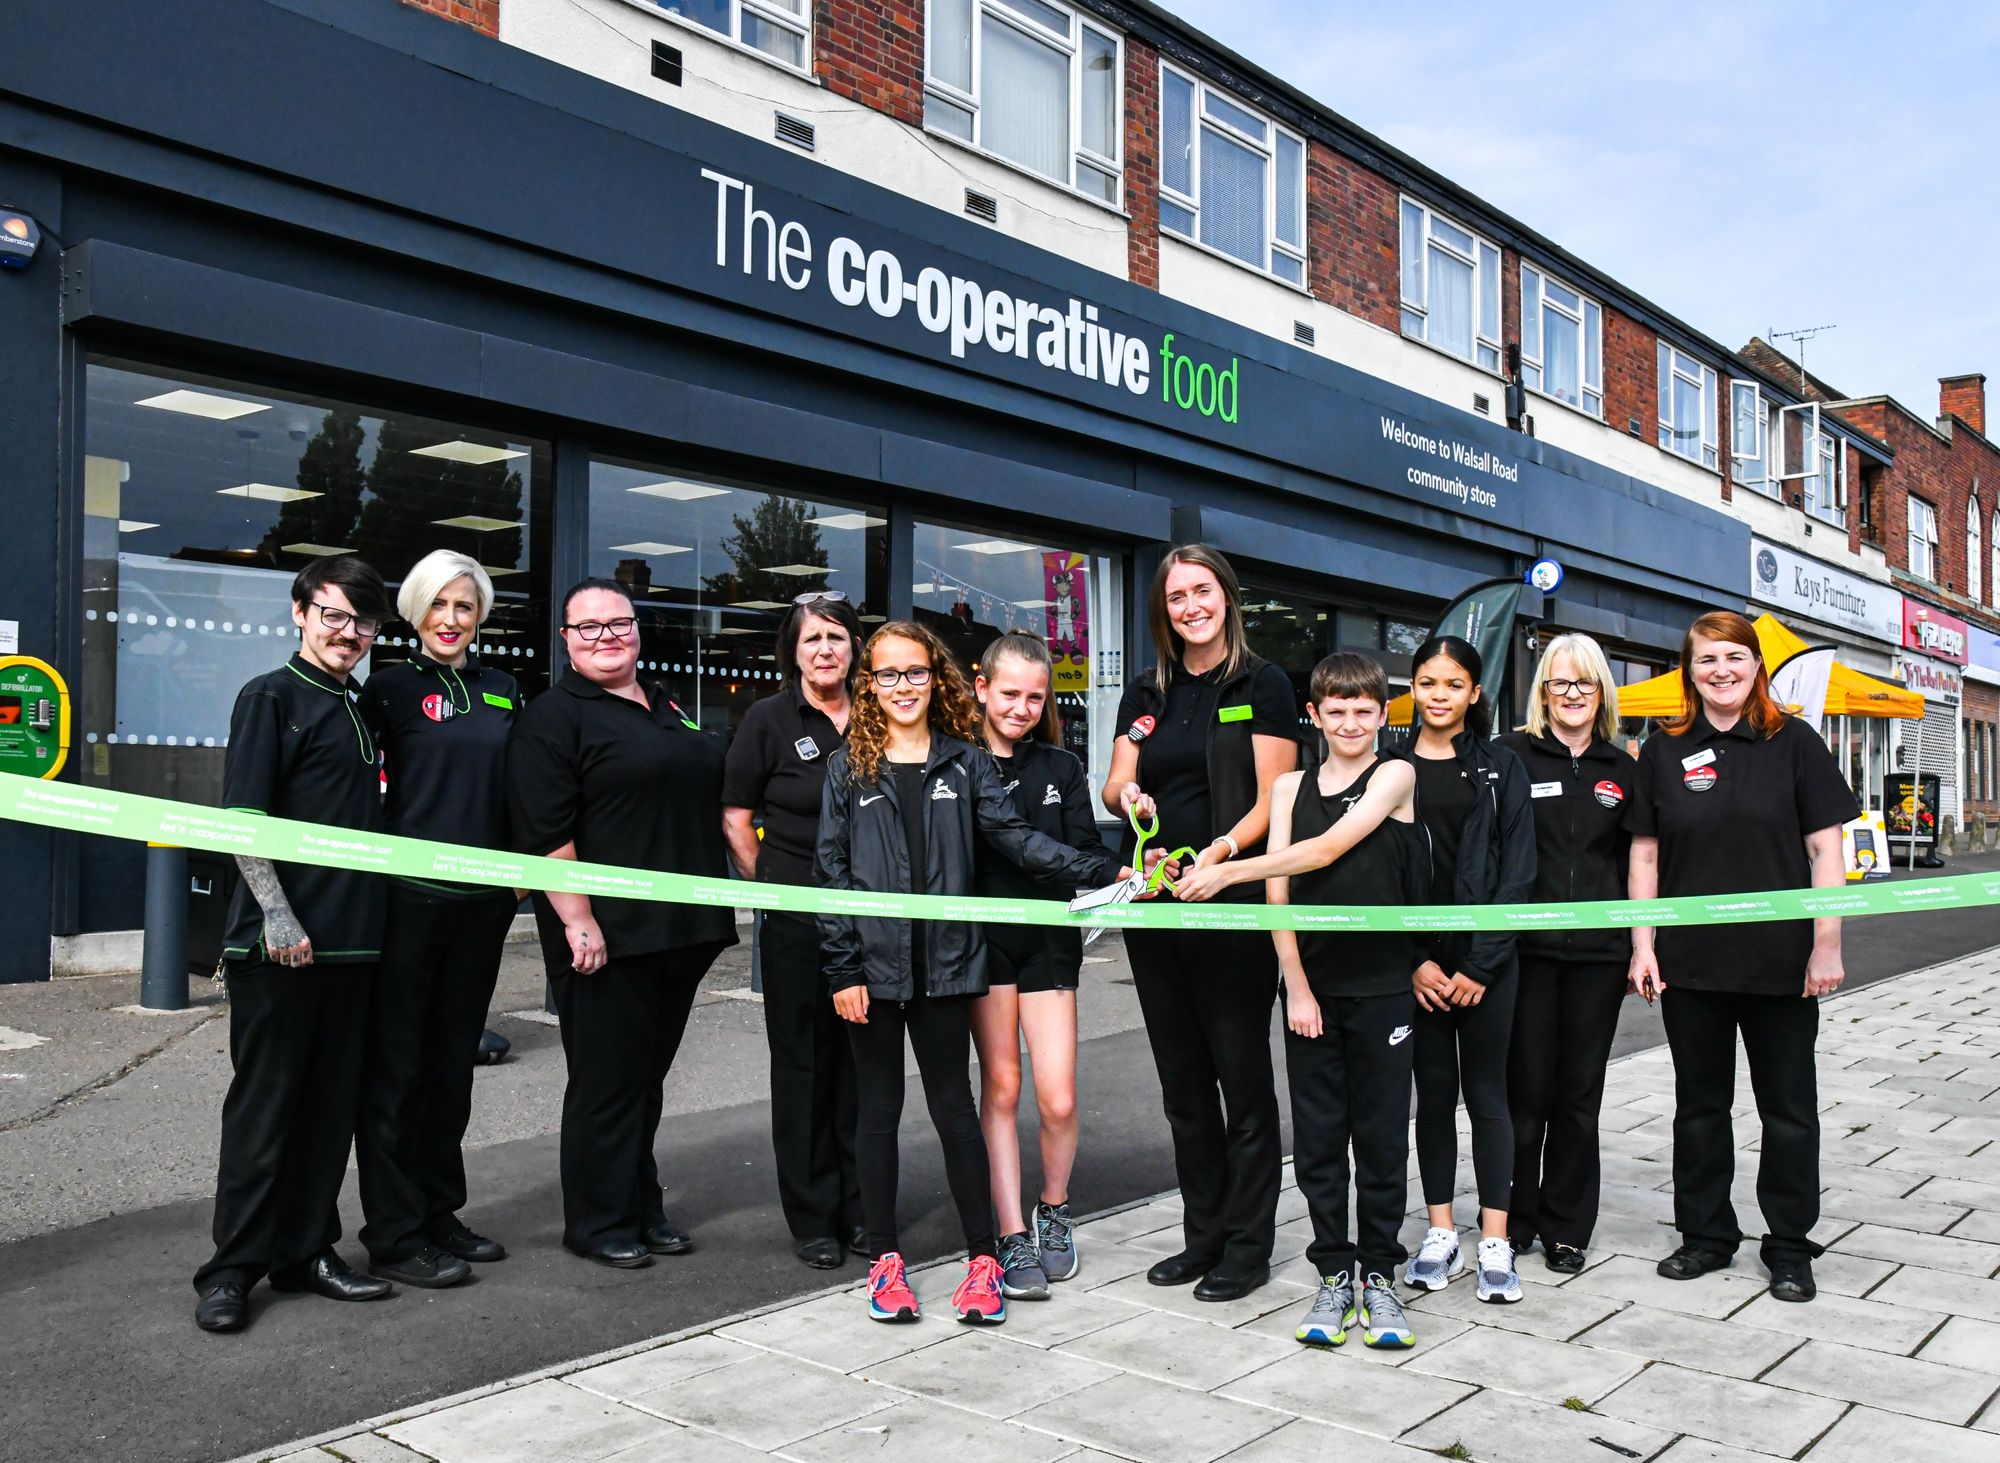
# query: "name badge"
{"points": [[1546, 790], [1700, 759], [1232, 713], [807, 748], [500, 701]]}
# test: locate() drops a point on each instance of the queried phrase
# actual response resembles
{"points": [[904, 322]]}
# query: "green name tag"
{"points": [[500, 701], [1232, 713]]}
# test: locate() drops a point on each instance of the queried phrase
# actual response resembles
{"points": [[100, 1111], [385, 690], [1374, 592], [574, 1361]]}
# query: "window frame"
{"points": [[765, 10], [1673, 365], [1928, 538], [1975, 549], [1582, 317], [1486, 284], [1199, 117], [1765, 483], [1080, 158]]}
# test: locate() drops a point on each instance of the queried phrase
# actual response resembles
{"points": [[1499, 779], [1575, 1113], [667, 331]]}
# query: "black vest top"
{"points": [[1389, 866]]}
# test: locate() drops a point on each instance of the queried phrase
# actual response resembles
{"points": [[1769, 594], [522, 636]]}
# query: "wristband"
{"points": [[1226, 839]]}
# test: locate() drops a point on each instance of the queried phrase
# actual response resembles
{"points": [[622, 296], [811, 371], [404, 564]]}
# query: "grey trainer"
{"points": [[1021, 1273], [1384, 1324], [1332, 1311], [1056, 1238]]}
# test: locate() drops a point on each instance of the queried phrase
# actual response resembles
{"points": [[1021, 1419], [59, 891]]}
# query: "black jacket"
{"points": [[1581, 845], [1496, 850], [1232, 759], [1050, 790], [861, 846]]}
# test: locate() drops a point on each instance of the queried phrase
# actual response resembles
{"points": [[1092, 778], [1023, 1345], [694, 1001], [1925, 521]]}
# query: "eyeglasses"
{"points": [[814, 596], [916, 675], [338, 620], [595, 630], [1570, 688]]}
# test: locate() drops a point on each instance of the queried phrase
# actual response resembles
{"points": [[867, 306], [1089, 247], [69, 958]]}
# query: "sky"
{"points": [[1747, 167]]}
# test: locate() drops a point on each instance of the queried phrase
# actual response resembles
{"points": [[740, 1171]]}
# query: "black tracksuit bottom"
{"points": [[940, 1033], [814, 1099], [1464, 1049], [440, 958], [1206, 998], [1351, 1084], [621, 1026], [295, 1042], [1565, 1017], [1779, 1033]]}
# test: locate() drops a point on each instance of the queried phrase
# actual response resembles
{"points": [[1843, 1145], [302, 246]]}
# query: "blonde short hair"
{"points": [[430, 574], [1587, 659]]}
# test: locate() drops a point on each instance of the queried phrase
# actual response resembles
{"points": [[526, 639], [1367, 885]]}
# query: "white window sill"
{"points": [[1243, 264], [1013, 167], [1581, 410], [1762, 490], [1449, 355], [695, 27], [1690, 461]]}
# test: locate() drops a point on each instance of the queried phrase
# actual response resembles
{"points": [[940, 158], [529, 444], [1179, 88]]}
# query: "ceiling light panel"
{"points": [[476, 522], [678, 492], [651, 549], [203, 404], [266, 493], [476, 453]]}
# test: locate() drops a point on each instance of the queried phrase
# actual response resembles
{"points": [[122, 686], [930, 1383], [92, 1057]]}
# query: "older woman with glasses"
{"points": [[608, 769]]}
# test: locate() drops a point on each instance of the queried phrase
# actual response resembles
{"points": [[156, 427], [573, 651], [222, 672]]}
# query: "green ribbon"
{"points": [[159, 820]]}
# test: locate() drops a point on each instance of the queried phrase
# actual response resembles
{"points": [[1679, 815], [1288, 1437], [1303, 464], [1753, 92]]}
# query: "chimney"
{"points": [[1964, 397]]}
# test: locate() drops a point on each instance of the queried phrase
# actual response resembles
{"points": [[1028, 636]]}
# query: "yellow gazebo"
{"points": [[1848, 691]]}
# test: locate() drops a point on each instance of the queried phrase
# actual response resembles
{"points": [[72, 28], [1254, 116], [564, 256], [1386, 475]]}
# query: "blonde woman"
{"points": [[1572, 981]]}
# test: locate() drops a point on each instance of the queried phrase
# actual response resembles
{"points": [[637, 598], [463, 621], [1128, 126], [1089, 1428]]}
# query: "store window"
{"points": [[1923, 539], [780, 29], [1032, 83], [713, 565], [1231, 179], [973, 585], [1562, 342], [1687, 406], [204, 497], [1975, 554], [1451, 287], [1292, 631]]}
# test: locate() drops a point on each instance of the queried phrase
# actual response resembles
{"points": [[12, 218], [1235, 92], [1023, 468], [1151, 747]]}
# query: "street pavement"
{"points": [[1898, 1359]]}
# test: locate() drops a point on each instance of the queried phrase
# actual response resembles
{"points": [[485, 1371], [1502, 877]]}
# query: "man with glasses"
{"points": [[300, 952]]}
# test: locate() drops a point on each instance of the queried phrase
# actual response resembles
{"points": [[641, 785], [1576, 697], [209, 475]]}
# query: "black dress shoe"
{"points": [[455, 1239], [665, 1238], [428, 1269], [822, 1254], [222, 1307], [1792, 1279], [620, 1254], [1691, 1262], [1564, 1259], [328, 1275], [1220, 1285], [1179, 1269], [857, 1242]]}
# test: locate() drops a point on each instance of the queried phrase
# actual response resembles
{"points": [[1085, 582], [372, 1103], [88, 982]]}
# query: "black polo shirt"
{"points": [[299, 748], [1731, 810], [635, 786], [1173, 755], [443, 733], [776, 767]]}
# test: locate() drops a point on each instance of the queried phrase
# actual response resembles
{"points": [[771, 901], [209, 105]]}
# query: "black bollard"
{"points": [[163, 980]]}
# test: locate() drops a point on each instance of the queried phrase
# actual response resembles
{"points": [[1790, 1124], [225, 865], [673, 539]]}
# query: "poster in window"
{"points": [[1067, 589]]}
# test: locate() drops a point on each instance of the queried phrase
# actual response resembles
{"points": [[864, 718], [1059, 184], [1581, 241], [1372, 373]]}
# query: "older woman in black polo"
{"points": [[1732, 797], [607, 769]]}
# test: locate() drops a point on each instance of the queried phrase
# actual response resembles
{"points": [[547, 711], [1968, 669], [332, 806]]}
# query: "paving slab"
{"points": [[1171, 1348], [1916, 1285], [1625, 1277], [1066, 1315], [1543, 1310], [1432, 1331], [1530, 1366], [634, 1377], [1850, 1274], [1874, 1325], [1700, 1450], [1299, 1441], [1723, 1409], [918, 1431], [1495, 1427], [835, 1330], [1382, 1401], [769, 1402], [367, 1448], [1895, 1213], [1891, 1383], [1272, 1296], [1154, 1422], [1723, 1347], [989, 1374], [547, 1419], [1933, 1251], [1866, 1435], [1979, 1224], [1965, 1342]]}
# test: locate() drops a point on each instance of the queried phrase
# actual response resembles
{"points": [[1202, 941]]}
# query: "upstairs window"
{"points": [[1451, 287], [1562, 342], [1974, 554], [1230, 179], [1750, 451], [1687, 407], [781, 29], [1923, 541], [1031, 83]]}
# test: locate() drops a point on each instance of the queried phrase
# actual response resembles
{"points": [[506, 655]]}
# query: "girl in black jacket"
{"points": [[1572, 981], [905, 800], [1472, 798]]}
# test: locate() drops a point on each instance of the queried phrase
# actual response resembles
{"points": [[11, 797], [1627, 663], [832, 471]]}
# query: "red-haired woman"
{"points": [[1736, 796]]}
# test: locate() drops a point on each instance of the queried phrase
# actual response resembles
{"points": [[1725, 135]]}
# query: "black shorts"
{"points": [[1034, 960]]}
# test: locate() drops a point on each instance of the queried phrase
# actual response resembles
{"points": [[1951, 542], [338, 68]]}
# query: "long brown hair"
{"points": [[1027, 645], [1167, 642], [952, 710], [1762, 709]]}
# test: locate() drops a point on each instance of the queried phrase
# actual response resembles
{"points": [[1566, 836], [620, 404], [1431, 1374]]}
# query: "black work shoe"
{"points": [[666, 1239], [1179, 1269], [1563, 1259], [428, 1269], [455, 1239], [328, 1275], [857, 1242], [619, 1254], [1691, 1262], [822, 1254], [1220, 1285], [222, 1307], [1792, 1279]]}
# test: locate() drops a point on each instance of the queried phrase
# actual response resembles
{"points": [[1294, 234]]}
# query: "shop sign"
{"points": [[1932, 677], [1792, 584], [1934, 632]]}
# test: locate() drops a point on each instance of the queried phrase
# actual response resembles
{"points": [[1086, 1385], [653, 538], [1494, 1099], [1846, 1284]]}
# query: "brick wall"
{"points": [[1142, 162], [1351, 238], [872, 52], [1631, 376], [481, 15]]}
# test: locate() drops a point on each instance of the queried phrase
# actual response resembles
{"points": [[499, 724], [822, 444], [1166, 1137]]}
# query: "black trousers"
{"points": [[1779, 1034], [1464, 1050], [940, 1033], [814, 1099], [440, 958], [1351, 1084], [1206, 998], [621, 1026], [1565, 1017], [295, 1042]]}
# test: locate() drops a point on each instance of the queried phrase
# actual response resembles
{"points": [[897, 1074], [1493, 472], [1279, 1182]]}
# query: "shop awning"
{"points": [[1848, 692]]}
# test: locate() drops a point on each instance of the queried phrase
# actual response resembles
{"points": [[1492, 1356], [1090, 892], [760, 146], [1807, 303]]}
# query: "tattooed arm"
{"points": [[284, 938]]}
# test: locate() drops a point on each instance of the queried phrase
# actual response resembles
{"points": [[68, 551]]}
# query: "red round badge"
{"points": [[1141, 729], [1699, 779], [434, 707], [1609, 793]]}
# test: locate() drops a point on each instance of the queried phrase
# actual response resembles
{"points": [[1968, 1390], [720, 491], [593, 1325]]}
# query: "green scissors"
{"points": [[1144, 884]]}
